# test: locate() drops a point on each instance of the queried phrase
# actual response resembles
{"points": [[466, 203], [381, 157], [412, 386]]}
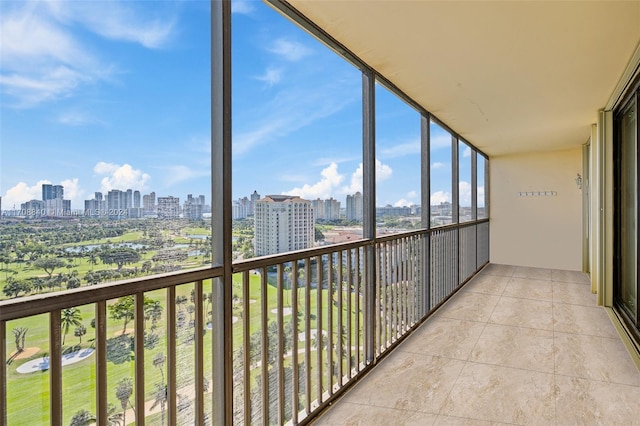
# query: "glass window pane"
{"points": [[441, 177], [397, 164], [297, 138], [628, 211], [113, 98], [482, 194], [464, 182]]}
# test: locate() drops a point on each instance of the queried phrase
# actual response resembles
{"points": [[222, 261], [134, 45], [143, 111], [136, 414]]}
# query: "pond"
{"points": [[92, 247]]}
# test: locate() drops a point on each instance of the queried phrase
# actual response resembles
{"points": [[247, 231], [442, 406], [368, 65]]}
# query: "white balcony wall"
{"points": [[529, 229]]}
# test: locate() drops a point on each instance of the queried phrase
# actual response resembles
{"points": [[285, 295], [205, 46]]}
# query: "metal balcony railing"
{"points": [[300, 334]]}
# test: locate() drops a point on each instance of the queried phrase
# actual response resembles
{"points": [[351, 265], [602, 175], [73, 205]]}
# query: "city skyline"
{"points": [[124, 102]]}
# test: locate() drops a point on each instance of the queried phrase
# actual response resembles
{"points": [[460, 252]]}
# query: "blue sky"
{"points": [[116, 95]]}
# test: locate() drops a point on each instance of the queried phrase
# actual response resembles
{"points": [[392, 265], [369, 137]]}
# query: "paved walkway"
{"points": [[515, 346]]}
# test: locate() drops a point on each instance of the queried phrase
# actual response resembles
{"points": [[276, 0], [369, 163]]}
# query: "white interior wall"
{"points": [[533, 230]]}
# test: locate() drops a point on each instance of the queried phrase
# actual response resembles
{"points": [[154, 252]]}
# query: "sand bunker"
{"points": [[41, 364]]}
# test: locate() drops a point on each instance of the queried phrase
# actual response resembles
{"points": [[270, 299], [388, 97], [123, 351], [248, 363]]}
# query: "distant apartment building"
{"points": [[390, 210], [168, 207], [193, 207], [54, 203], [51, 192], [33, 208], [283, 223], [326, 209], [149, 207], [244, 207], [354, 207], [117, 207]]}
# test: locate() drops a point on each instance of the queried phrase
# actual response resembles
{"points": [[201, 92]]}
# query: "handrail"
{"points": [[21, 307]]}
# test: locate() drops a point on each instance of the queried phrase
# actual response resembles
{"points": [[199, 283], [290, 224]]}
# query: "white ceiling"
{"points": [[510, 77]]}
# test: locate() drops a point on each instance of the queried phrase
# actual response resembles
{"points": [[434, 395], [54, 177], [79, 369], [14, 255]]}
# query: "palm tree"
{"points": [[69, 317], [160, 396], [80, 331], [124, 390], [82, 418]]}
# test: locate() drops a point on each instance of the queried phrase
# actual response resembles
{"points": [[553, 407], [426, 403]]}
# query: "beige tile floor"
{"points": [[515, 346]]}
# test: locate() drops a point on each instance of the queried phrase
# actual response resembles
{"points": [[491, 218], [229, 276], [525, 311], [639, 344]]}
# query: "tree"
{"points": [[69, 317], [124, 390], [73, 282], [49, 264], [161, 388], [80, 331], [13, 287], [119, 256], [20, 335], [82, 418], [123, 310]]}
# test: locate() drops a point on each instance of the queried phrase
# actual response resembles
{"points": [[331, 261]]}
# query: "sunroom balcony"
{"points": [[514, 346]]}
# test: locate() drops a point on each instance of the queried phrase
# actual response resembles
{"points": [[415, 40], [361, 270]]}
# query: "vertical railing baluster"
{"points": [[340, 316], [199, 355], [294, 355], [246, 348], [101, 362], [55, 368], [3, 376], [357, 307], [138, 349], [280, 360], [172, 360], [264, 358], [319, 330], [307, 331], [330, 332], [349, 317]]}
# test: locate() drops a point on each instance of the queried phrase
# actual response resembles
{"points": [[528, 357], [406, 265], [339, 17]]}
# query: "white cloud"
{"points": [[440, 141], [73, 192], [42, 59], [290, 50], [21, 193], [271, 76], [402, 203], [179, 173], [464, 193], [117, 21], [77, 118], [437, 165], [409, 148], [481, 196], [241, 7], [383, 172], [324, 188], [120, 177], [440, 197], [412, 194], [467, 152], [289, 110]]}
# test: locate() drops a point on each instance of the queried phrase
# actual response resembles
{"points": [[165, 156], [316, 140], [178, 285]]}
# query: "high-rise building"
{"points": [[283, 223], [149, 204], [33, 208], [354, 207], [192, 208], [136, 199], [254, 199], [51, 192], [331, 209], [117, 204], [168, 207]]}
